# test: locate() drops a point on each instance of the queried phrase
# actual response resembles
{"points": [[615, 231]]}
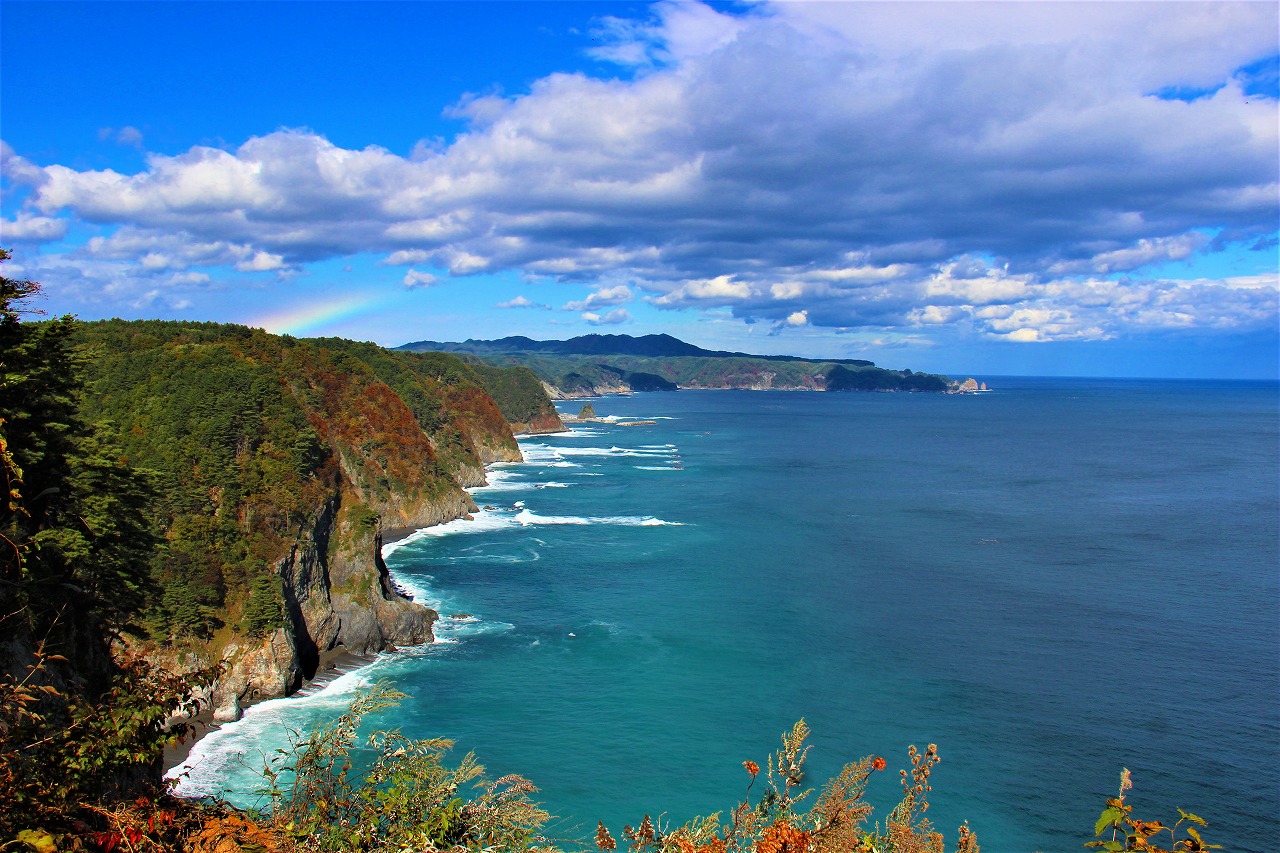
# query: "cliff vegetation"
{"points": [[277, 463]]}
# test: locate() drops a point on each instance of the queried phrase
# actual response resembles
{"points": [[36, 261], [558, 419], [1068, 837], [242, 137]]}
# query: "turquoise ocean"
{"points": [[1051, 581]]}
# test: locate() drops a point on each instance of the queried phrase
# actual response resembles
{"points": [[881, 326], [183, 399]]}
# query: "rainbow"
{"points": [[316, 317]]}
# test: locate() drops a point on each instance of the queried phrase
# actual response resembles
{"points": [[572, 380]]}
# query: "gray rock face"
{"points": [[229, 711], [256, 669], [337, 592]]}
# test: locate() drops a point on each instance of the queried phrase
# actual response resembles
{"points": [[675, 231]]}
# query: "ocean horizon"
{"points": [[1053, 580]]}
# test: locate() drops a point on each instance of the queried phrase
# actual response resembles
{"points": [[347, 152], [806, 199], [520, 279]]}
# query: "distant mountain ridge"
{"points": [[589, 365], [652, 346]]}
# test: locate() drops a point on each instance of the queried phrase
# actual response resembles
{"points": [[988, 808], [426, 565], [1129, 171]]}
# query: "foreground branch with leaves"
{"points": [[329, 794], [406, 800], [837, 822]]}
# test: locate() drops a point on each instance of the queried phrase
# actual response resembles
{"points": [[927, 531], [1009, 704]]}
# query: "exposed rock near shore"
{"points": [[337, 594], [968, 386], [571, 421], [541, 424]]}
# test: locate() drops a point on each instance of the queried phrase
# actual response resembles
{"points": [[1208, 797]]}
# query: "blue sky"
{"points": [[1012, 188]]}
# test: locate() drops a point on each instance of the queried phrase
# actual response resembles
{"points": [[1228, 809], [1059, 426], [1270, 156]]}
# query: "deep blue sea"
{"points": [[1051, 581]]}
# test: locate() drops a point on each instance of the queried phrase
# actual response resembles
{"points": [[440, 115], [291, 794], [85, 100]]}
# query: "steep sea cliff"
{"points": [[277, 467]]}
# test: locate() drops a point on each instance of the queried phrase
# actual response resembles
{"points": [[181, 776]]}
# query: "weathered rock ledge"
{"points": [[337, 594]]}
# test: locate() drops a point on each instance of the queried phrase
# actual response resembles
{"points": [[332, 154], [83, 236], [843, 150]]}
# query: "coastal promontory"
{"points": [[269, 469], [591, 365]]}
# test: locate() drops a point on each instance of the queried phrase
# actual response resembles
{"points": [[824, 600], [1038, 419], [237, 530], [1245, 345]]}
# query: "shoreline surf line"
{"points": [[334, 664]]}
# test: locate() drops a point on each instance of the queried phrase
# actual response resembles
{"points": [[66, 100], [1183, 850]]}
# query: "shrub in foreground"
{"points": [[409, 800]]}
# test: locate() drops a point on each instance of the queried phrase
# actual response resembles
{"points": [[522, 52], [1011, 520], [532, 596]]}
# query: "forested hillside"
{"points": [[603, 364], [246, 479], [244, 434]]}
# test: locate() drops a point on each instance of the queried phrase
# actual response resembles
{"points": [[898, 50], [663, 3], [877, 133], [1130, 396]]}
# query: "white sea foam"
{"points": [[454, 630], [527, 518], [416, 590], [612, 451], [582, 451], [226, 751], [481, 521], [655, 467], [503, 480], [550, 457]]}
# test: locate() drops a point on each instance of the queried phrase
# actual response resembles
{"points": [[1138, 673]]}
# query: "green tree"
{"points": [[264, 611], [75, 725], [80, 545]]}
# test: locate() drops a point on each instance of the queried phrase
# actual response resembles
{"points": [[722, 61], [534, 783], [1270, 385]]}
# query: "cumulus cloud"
{"points": [[1140, 254], [614, 317], [406, 257], [415, 279], [889, 165], [722, 289], [26, 228], [261, 262], [600, 298], [110, 284], [154, 250], [523, 302]]}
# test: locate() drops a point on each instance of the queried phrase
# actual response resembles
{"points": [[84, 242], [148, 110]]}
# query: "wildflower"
{"points": [[603, 839], [782, 838], [752, 768], [878, 763]]}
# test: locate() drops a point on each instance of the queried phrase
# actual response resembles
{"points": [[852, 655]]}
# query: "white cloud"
{"points": [[1140, 254], [618, 315], [414, 279], [866, 164], [523, 302], [600, 298], [261, 262], [937, 315], [406, 257], [27, 228], [127, 135], [718, 290]]}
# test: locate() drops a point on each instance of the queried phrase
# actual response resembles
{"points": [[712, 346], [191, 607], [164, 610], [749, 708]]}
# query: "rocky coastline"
{"points": [[290, 662]]}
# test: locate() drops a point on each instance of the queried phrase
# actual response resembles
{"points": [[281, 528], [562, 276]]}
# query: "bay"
{"points": [[1051, 581]]}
